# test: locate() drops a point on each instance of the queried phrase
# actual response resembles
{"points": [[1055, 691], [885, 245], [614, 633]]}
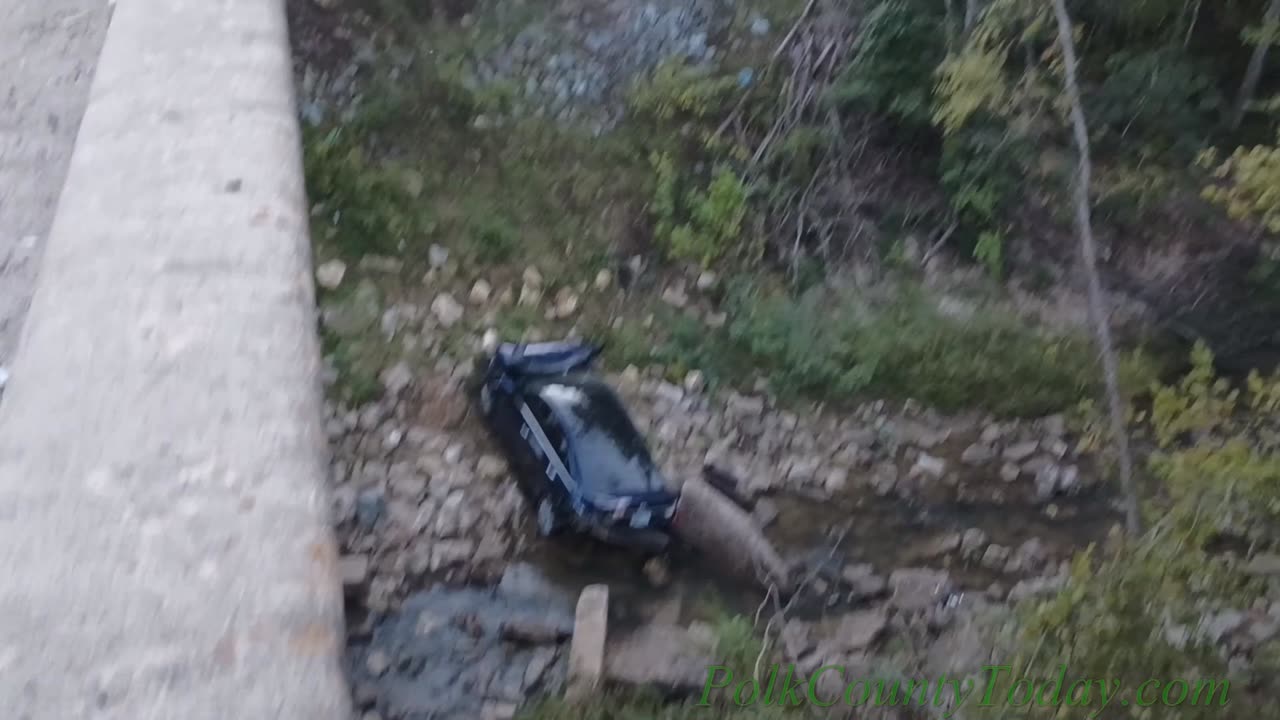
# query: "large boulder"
{"points": [[714, 524]]}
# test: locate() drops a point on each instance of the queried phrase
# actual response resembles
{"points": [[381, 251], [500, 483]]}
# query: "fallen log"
{"points": [[714, 524]]}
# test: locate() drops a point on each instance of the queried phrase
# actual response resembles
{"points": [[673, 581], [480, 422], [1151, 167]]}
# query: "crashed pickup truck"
{"points": [[574, 449]]}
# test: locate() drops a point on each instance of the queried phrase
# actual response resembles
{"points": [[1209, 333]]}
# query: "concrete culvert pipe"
{"points": [[712, 523]]}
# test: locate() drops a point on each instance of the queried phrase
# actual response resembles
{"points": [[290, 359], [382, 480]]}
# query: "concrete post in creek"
{"points": [[713, 524], [586, 650]]}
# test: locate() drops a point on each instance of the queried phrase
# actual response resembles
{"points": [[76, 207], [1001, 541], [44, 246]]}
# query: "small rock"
{"points": [[1031, 555], [448, 553], [397, 378], [490, 467], [657, 572], [860, 630], [918, 588], [991, 434], [530, 295], [1047, 482], [863, 582], [566, 303], [706, 281], [480, 292], [759, 26], [884, 478], [836, 480], [538, 665], [675, 296], [329, 275], [977, 454], [694, 382], [532, 277], [939, 546], [490, 341], [437, 255], [995, 557], [928, 465], [1021, 451], [354, 570], [377, 663], [369, 506], [972, 542], [498, 710], [447, 310], [604, 279], [1009, 472]]}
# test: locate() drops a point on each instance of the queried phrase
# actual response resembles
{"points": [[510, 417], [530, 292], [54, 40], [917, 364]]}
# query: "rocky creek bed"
{"points": [[915, 531], [907, 514]]}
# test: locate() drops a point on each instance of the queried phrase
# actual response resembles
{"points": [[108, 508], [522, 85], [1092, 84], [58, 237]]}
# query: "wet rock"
{"points": [[666, 658], [587, 650], [535, 631], [716, 526], [860, 630], [972, 543], [745, 405], [706, 281], [915, 589], [354, 570], [604, 279], [446, 310], [523, 582], [995, 557], [939, 546], [330, 274], [1018, 452], [977, 454]]}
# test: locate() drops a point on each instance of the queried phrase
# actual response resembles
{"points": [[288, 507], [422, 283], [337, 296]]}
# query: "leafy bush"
{"points": [[1140, 606], [1250, 184], [694, 224], [901, 45], [357, 205], [1154, 101]]}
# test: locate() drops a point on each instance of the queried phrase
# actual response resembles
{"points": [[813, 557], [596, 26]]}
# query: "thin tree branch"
{"points": [[1088, 248]]}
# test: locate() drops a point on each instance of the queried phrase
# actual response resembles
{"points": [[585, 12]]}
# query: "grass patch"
{"points": [[822, 345]]}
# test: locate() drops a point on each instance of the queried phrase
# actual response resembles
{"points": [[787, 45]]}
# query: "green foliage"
{"points": [[989, 251], [678, 91], [701, 225], [892, 72], [1249, 184], [981, 173], [493, 239], [737, 643], [1138, 608], [358, 207], [827, 346], [1155, 101]]}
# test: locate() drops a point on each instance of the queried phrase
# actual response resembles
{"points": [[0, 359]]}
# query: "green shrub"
{"points": [[358, 206], [901, 46], [695, 224], [1155, 101]]}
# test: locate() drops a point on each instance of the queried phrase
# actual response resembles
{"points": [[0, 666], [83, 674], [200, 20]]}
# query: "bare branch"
{"points": [[1097, 306]]}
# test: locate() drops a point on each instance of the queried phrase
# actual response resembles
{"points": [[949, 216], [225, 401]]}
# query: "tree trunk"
{"points": [[1254, 72], [1097, 305]]}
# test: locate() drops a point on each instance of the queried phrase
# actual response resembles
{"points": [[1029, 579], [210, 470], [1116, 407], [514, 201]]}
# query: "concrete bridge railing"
{"points": [[164, 540]]}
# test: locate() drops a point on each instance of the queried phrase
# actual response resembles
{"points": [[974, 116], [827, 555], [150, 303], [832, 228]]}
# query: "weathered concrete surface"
{"points": [[587, 649], [711, 522], [163, 529], [48, 49]]}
